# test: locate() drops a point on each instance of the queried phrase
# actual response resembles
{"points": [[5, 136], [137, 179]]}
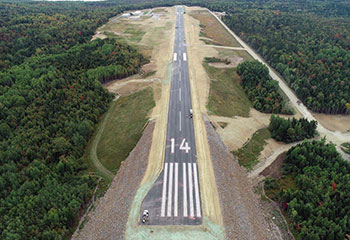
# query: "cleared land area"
{"points": [[226, 96], [229, 108], [249, 153], [211, 30], [124, 128], [334, 122]]}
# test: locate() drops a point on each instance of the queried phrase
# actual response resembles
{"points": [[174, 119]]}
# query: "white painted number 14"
{"points": [[183, 145]]}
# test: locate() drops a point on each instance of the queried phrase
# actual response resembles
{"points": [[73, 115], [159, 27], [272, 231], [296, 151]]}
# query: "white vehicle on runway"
{"points": [[191, 113]]}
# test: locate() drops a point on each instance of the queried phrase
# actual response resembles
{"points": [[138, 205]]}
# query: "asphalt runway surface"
{"points": [[174, 199]]}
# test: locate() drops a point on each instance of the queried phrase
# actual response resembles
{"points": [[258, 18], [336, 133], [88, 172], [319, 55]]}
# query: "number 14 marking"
{"points": [[183, 145]]}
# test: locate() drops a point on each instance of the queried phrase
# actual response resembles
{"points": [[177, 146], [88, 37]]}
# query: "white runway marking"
{"points": [[180, 94], [185, 189], [196, 190], [185, 58], [190, 186], [170, 190], [176, 189], [172, 145], [175, 57], [162, 212], [180, 120]]}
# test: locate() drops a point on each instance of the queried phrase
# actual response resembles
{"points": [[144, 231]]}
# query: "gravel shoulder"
{"points": [[241, 209], [108, 220]]}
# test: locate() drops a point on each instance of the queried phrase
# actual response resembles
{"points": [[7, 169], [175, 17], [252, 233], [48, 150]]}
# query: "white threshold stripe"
{"points": [[185, 189], [162, 211], [196, 189], [190, 186], [176, 190], [185, 57], [175, 57], [170, 190]]}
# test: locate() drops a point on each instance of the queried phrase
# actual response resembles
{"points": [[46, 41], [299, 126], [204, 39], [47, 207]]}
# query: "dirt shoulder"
{"points": [[108, 220]]}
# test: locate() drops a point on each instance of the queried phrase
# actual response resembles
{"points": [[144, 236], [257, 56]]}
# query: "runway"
{"points": [[174, 199]]}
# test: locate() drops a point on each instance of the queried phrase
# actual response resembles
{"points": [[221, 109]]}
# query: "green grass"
{"points": [[150, 74], [226, 96], [136, 34], [345, 147], [249, 153], [124, 128]]}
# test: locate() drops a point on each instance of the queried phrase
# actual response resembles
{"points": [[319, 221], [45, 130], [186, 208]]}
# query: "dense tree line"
{"points": [[48, 107], [318, 206], [37, 28], [310, 52], [261, 89], [291, 130]]}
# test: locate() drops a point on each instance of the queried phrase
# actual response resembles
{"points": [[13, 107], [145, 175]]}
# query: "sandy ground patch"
{"points": [[128, 86], [334, 122], [240, 129], [270, 148], [98, 35]]}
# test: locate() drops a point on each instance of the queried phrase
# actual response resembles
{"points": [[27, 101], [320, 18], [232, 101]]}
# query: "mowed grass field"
{"points": [[226, 96], [249, 153], [212, 29], [124, 128]]}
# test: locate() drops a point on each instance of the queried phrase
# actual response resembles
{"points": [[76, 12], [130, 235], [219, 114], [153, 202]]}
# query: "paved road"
{"points": [[174, 199]]}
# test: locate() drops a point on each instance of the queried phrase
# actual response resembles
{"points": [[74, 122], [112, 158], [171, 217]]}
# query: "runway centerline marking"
{"points": [[172, 145], [170, 190], [162, 211], [180, 94], [180, 120]]}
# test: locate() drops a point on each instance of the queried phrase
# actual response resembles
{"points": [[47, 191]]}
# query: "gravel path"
{"points": [[241, 210], [108, 220]]}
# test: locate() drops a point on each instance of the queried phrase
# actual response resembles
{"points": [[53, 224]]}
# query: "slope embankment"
{"points": [[108, 220], [241, 210]]}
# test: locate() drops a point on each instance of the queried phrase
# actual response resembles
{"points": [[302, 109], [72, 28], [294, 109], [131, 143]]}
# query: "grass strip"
{"points": [[226, 96], [249, 153], [124, 128]]}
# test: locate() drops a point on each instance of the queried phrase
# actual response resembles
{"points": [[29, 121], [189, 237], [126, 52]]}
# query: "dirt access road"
{"points": [[336, 137]]}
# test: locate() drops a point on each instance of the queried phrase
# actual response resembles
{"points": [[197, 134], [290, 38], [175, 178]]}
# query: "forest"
{"points": [[51, 97], [317, 201], [261, 89], [316, 64], [291, 130], [48, 108]]}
